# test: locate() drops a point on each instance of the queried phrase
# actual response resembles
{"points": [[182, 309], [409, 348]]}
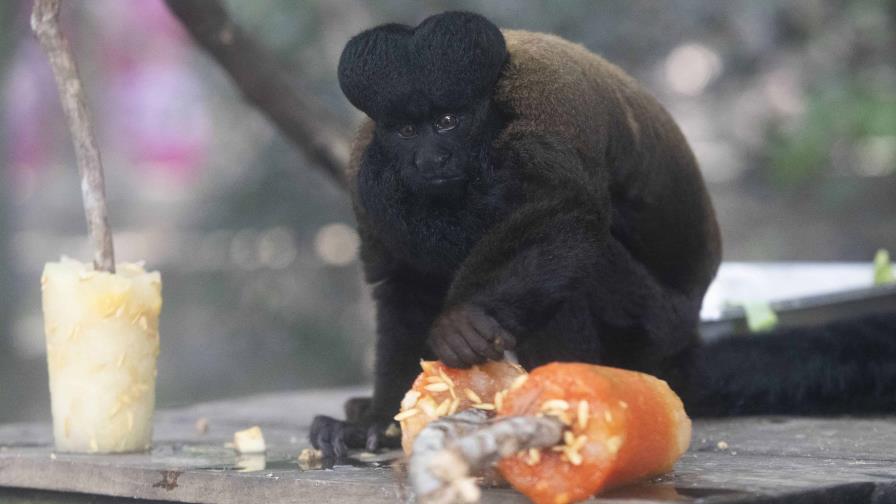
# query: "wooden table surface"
{"points": [[745, 460]]}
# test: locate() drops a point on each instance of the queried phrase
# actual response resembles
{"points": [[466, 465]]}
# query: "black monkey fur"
{"points": [[515, 191]]}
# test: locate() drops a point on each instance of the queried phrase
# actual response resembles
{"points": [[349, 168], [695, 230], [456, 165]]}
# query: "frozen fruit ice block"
{"points": [[102, 333], [440, 390], [621, 426]]}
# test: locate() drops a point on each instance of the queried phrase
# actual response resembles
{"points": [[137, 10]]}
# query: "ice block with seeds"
{"points": [[440, 390], [621, 426], [102, 343]]}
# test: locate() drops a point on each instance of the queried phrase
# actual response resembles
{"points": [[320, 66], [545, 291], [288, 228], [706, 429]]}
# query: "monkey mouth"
{"points": [[443, 181], [452, 185]]}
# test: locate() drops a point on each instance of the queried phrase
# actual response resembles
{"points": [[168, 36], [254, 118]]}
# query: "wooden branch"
{"points": [[301, 118], [449, 452], [45, 24]]}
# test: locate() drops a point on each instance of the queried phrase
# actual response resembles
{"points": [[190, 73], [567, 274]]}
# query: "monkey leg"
{"points": [[405, 310], [620, 315]]}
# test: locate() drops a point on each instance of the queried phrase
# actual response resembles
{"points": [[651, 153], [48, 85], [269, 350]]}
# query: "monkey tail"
{"points": [[847, 366]]}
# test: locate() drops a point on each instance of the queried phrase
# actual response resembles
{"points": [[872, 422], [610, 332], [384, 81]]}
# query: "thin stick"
{"points": [[449, 452], [45, 24]]}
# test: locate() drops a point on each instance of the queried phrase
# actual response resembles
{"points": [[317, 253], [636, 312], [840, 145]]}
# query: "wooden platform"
{"points": [[748, 460]]}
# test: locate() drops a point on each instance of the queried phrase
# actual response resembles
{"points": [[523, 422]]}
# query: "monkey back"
{"points": [[661, 209]]}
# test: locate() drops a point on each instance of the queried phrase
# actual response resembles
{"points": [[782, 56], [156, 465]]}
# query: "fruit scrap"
{"points": [[309, 458], [201, 425], [250, 440]]}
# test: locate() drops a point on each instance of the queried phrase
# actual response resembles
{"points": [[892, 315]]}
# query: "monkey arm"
{"points": [[522, 270], [548, 250], [406, 308]]}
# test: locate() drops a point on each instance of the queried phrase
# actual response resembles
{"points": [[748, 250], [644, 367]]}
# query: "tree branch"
{"points": [[302, 119], [450, 451], [45, 24]]}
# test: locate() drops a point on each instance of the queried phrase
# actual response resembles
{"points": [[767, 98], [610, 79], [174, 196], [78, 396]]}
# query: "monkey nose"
{"points": [[432, 162]]}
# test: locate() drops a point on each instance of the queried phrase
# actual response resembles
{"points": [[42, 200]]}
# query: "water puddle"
{"points": [[219, 458]]}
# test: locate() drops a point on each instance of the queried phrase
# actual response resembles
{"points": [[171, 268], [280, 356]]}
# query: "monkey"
{"points": [[515, 191]]}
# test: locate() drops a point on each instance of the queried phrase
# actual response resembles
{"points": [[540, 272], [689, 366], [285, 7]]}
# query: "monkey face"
{"points": [[439, 154]]}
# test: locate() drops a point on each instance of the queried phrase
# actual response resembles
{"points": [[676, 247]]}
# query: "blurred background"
{"points": [[789, 105]]}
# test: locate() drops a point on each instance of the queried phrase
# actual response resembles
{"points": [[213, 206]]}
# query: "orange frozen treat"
{"points": [[440, 390], [622, 426]]}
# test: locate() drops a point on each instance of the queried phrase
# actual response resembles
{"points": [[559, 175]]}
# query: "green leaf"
{"points": [[760, 316], [883, 269]]}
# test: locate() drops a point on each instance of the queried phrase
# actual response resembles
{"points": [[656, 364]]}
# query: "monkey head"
{"points": [[428, 89]]}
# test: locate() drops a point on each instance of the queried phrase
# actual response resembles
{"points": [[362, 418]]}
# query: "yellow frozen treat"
{"points": [[102, 334]]}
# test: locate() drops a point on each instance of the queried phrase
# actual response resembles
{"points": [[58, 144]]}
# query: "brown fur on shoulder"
{"points": [[552, 86]]}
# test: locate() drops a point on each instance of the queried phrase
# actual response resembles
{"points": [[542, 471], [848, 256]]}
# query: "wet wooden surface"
{"points": [[746, 460]]}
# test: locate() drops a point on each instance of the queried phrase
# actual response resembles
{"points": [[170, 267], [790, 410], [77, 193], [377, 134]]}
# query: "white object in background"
{"points": [[738, 282]]}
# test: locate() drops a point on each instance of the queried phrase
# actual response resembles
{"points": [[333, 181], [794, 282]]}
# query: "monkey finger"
{"points": [[481, 343], [374, 438], [463, 350], [489, 331], [340, 450], [372, 443], [501, 338], [459, 335], [321, 440], [507, 339], [443, 351], [318, 434], [475, 340]]}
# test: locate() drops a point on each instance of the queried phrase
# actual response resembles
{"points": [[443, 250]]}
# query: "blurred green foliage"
{"points": [[835, 120], [883, 268], [847, 128]]}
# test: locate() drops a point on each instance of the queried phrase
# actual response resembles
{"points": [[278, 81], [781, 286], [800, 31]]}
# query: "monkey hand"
{"points": [[465, 335], [335, 437]]}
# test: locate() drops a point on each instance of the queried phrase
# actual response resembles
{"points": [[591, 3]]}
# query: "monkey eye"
{"points": [[446, 123], [407, 131]]}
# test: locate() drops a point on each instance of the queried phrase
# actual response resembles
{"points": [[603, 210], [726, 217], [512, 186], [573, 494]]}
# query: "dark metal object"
{"points": [[808, 311]]}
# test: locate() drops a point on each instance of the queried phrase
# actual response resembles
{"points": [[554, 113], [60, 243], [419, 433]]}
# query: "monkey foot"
{"points": [[334, 438]]}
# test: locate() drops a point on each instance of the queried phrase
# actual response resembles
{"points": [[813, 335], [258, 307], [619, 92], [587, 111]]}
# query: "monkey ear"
{"points": [[461, 56], [376, 69]]}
